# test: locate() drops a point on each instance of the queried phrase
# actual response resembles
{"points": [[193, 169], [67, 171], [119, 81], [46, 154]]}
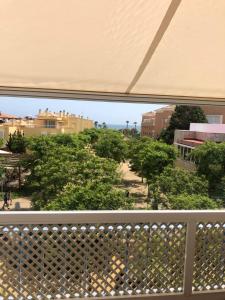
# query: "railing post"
{"points": [[189, 257]]}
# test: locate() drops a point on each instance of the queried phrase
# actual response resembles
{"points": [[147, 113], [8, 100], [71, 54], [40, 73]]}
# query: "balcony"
{"points": [[112, 255]]}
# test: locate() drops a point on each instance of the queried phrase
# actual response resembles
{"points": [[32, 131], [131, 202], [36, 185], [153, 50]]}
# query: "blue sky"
{"points": [[111, 113]]}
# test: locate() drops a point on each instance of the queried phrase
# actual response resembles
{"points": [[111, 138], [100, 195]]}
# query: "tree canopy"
{"points": [[185, 201], [17, 142], [177, 181], [155, 157], [176, 188], [111, 144], [64, 163], [149, 158], [1, 142], [181, 118], [89, 196], [135, 145], [81, 171], [210, 162]]}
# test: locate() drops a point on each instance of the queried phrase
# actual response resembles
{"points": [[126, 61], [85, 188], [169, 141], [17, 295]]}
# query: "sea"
{"points": [[122, 126]]}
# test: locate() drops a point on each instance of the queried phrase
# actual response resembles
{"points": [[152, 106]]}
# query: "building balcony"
{"points": [[112, 255]]}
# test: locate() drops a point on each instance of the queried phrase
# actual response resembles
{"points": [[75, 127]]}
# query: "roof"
{"points": [[166, 108], [7, 116], [151, 113], [162, 109], [167, 51], [192, 142]]}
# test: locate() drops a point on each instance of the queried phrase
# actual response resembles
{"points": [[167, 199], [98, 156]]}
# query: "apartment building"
{"points": [[6, 117], [155, 121], [45, 123]]}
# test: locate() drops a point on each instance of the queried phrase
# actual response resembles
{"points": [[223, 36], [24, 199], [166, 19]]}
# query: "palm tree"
{"points": [[96, 124], [127, 123], [135, 125]]}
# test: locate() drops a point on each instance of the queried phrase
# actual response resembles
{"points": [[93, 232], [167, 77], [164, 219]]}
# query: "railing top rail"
{"points": [[71, 217]]}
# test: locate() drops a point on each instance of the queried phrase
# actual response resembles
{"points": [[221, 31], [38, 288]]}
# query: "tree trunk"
{"points": [[19, 169]]}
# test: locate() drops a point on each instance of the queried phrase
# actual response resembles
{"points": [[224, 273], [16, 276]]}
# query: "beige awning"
{"points": [[122, 50]]}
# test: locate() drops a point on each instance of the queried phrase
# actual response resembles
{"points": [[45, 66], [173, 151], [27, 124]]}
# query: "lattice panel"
{"points": [[209, 266], [66, 261]]}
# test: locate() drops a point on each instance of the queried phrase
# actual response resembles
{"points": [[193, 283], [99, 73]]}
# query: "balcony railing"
{"points": [[112, 255]]}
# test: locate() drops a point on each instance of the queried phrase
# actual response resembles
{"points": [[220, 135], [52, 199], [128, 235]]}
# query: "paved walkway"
{"points": [[19, 204], [132, 183]]}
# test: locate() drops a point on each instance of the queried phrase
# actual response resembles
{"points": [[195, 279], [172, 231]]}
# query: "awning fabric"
{"points": [[122, 50]]}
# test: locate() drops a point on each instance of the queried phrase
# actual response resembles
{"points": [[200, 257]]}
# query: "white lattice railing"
{"points": [[112, 255]]}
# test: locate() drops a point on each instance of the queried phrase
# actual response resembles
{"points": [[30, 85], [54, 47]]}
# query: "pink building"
{"points": [[187, 140]]}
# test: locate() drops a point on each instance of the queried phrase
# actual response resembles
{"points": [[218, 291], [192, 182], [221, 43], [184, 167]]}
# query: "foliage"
{"points": [[17, 142], [173, 182], [52, 168], [43, 143], [155, 157], [111, 144], [1, 142], [185, 201], [210, 161], [135, 145], [92, 135], [178, 181], [149, 158], [90, 196], [181, 119]]}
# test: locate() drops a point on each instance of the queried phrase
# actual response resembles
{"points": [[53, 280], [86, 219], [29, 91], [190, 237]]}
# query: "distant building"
{"points": [[46, 123], [6, 117], [154, 122]]}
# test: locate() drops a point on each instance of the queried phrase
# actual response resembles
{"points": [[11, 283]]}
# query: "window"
{"points": [[215, 119], [50, 124]]}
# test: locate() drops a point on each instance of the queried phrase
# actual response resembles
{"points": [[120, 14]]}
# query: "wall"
{"points": [[75, 126], [162, 120], [204, 127]]}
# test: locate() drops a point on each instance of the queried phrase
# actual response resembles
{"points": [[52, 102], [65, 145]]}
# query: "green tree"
{"points": [[91, 197], [181, 119], [185, 201], [175, 188], [91, 134], [17, 142], [174, 181], [179, 181], [154, 158], [51, 170], [1, 142], [210, 162], [111, 144], [149, 157], [135, 145]]}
